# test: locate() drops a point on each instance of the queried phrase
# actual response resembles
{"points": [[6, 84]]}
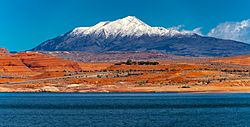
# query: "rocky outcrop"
{"points": [[43, 63], [32, 63], [49, 89], [10, 64], [4, 52]]}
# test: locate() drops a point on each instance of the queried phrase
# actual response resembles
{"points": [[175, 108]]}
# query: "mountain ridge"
{"points": [[128, 26], [132, 34]]}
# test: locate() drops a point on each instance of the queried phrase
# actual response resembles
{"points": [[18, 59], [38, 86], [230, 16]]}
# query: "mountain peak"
{"points": [[132, 19]]}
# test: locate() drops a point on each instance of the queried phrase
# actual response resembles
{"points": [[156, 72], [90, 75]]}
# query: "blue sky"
{"points": [[26, 23]]}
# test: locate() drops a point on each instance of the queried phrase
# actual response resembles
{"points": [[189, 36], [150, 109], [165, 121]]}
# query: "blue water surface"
{"points": [[124, 109]]}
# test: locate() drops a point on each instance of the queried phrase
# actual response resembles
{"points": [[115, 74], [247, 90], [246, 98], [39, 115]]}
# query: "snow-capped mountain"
{"points": [[132, 34], [128, 26]]}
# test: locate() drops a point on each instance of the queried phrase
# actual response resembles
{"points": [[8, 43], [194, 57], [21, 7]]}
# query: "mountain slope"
{"points": [[131, 34]]}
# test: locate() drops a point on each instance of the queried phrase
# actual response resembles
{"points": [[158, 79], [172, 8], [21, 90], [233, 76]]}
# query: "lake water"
{"points": [[124, 109]]}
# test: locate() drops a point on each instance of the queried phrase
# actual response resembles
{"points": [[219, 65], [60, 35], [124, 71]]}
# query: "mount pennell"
{"points": [[131, 34]]}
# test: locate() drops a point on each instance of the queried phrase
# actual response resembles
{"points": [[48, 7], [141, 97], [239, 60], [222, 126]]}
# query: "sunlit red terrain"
{"points": [[37, 72]]}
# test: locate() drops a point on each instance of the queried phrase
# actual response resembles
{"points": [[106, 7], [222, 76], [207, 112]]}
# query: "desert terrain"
{"points": [[121, 72]]}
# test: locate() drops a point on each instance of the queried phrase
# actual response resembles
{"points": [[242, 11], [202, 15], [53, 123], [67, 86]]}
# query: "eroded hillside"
{"points": [[37, 72]]}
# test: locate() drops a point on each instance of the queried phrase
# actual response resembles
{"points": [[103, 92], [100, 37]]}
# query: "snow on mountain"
{"points": [[128, 26]]}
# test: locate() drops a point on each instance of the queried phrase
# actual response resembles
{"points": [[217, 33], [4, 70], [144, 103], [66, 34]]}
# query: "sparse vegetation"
{"points": [[130, 62]]}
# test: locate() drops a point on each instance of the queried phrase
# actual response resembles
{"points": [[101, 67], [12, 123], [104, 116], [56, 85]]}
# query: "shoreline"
{"points": [[196, 92], [165, 89]]}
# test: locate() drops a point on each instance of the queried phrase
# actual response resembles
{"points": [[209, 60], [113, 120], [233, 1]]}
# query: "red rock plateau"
{"points": [[38, 72], [21, 66], [43, 63], [11, 65]]}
